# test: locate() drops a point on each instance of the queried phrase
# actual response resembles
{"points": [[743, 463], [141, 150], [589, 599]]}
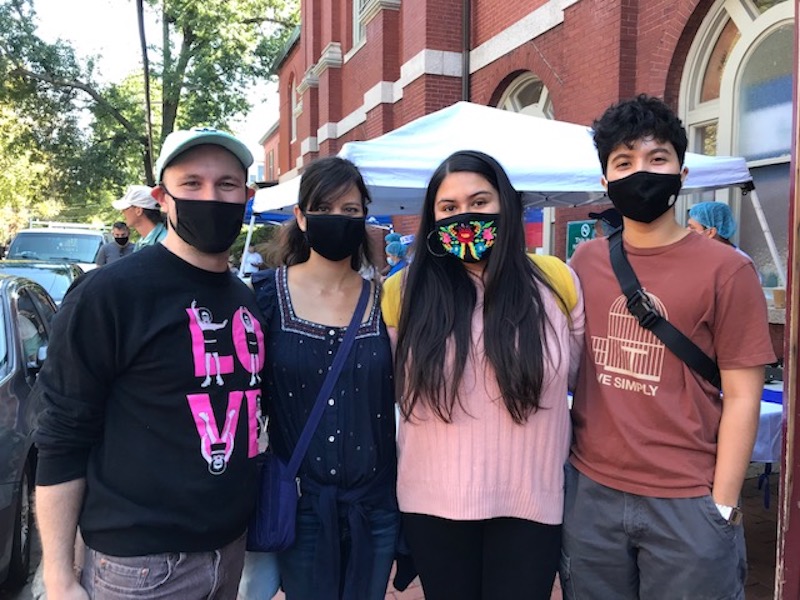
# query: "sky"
{"points": [[118, 47]]}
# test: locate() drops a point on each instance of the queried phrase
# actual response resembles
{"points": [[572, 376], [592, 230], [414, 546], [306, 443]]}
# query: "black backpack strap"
{"points": [[641, 307]]}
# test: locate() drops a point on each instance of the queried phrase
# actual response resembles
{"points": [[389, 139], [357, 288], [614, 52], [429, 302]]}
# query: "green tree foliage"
{"points": [[90, 135], [25, 177], [262, 237]]}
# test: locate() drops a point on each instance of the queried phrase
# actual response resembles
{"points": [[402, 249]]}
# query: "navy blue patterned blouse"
{"points": [[356, 436]]}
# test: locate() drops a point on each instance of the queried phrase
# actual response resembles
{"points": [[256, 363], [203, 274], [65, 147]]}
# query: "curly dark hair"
{"points": [[635, 119]]}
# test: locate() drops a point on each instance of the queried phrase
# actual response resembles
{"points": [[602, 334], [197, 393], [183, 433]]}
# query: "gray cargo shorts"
{"points": [[620, 546]]}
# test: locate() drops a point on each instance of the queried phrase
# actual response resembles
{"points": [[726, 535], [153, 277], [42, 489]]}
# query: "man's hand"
{"points": [[57, 508], [69, 589]]}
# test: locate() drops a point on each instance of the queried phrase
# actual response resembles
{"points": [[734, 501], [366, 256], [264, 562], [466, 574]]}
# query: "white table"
{"points": [[769, 437], [767, 448]]}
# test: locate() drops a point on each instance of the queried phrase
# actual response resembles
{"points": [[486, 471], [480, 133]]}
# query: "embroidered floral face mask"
{"points": [[468, 236]]}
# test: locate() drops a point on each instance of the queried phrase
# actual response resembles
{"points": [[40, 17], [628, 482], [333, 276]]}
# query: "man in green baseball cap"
{"points": [[150, 400]]}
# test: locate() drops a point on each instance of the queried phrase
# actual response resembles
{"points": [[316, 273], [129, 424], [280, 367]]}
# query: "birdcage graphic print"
{"points": [[629, 348]]}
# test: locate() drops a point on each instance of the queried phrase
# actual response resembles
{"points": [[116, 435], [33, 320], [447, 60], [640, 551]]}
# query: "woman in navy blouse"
{"points": [[347, 519]]}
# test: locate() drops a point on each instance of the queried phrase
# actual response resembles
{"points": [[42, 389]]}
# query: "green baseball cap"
{"points": [[180, 141]]}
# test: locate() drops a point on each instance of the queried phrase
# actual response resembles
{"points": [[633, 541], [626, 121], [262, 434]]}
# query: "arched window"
{"points": [[528, 95], [736, 99], [295, 111]]}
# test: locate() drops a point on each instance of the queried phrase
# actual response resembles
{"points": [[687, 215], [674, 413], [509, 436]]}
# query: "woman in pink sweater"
{"points": [[487, 340]]}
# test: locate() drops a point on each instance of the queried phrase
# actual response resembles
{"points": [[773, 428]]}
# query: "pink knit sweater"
{"points": [[483, 465]]}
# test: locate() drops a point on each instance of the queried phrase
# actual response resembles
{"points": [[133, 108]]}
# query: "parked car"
{"points": [[63, 243], [52, 276], [26, 311]]}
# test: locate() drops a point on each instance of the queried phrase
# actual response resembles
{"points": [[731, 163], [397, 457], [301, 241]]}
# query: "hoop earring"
{"points": [[428, 246]]}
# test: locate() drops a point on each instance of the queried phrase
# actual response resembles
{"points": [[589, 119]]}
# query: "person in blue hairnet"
{"points": [[395, 253], [715, 221]]}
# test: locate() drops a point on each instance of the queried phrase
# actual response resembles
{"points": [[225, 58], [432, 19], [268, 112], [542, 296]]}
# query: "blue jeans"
{"points": [[209, 575], [297, 563], [260, 576]]}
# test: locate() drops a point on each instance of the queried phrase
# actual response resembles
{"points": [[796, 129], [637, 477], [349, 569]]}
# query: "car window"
{"points": [[44, 305], [5, 361], [56, 280], [32, 329], [48, 245]]}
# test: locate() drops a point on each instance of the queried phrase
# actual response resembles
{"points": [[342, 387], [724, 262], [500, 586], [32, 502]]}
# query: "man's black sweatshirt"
{"points": [[151, 392]]}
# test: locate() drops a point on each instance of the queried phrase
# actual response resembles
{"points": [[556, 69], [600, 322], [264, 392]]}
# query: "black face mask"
{"points": [[211, 226], [645, 196], [121, 240], [335, 237]]}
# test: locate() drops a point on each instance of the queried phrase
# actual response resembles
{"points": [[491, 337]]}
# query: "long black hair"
{"points": [[325, 180], [439, 299]]}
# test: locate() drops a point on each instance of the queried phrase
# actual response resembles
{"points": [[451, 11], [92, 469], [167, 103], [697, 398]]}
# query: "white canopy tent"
{"points": [[552, 163]]}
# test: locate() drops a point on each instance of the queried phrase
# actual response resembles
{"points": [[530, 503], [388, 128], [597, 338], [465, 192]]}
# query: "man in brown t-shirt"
{"points": [[659, 457]]}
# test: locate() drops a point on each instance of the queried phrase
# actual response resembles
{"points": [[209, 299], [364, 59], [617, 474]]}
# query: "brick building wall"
{"points": [[270, 147], [588, 54], [490, 17]]}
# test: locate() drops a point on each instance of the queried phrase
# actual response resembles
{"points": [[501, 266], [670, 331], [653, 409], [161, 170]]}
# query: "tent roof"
{"points": [[553, 163]]}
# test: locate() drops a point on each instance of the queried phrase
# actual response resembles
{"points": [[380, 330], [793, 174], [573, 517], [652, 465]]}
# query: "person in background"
{"points": [[119, 248], [252, 261], [659, 457], [142, 213], [159, 470], [488, 343], [395, 253], [715, 221], [347, 520], [31, 338], [606, 222], [232, 266]]}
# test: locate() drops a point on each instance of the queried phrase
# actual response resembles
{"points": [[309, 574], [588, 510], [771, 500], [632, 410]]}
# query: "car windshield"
{"points": [[56, 280], [55, 246]]}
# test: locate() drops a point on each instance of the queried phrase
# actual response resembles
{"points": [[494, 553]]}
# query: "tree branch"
{"points": [[89, 90], [148, 112], [257, 20], [173, 84]]}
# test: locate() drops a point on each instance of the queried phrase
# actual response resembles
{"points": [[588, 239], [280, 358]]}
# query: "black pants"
{"points": [[495, 559]]}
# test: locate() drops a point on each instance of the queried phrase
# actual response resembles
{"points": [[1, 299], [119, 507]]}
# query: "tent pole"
{"points": [[548, 218], [773, 249], [247, 243]]}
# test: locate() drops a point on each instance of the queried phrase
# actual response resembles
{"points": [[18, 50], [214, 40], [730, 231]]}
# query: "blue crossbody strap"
{"points": [[330, 380]]}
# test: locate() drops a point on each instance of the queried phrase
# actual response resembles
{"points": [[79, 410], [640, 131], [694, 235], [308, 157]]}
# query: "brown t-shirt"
{"points": [[644, 422]]}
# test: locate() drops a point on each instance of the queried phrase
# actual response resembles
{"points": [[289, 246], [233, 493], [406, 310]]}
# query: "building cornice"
{"points": [[310, 80], [269, 133], [373, 7], [330, 58]]}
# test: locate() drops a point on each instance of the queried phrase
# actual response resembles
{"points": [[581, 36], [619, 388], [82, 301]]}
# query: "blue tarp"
{"points": [[281, 215]]}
